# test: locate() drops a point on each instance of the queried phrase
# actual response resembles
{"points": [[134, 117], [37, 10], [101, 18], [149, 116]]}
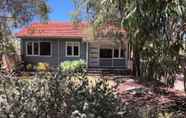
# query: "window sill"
{"points": [[38, 56], [72, 56]]}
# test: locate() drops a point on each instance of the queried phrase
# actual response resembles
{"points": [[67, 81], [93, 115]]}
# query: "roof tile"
{"points": [[53, 29]]}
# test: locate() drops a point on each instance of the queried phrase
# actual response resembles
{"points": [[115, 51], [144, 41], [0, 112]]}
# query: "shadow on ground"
{"points": [[147, 100]]}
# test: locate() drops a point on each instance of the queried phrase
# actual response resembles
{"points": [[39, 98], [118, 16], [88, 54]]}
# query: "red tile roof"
{"points": [[62, 30], [53, 30]]}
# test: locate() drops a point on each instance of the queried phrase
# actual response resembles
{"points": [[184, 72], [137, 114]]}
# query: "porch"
{"points": [[105, 55]]}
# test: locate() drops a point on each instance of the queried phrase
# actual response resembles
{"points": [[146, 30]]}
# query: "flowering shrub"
{"points": [[42, 67]]}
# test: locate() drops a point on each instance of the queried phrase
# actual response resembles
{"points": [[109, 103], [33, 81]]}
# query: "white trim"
{"points": [[38, 55], [113, 58], [87, 54], [119, 49], [113, 64], [32, 42], [73, 44]]}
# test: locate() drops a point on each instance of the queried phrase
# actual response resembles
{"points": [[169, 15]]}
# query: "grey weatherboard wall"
{"points": [[58, 51]]}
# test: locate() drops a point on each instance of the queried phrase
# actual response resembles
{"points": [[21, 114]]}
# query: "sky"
{"points": [[60, 10]]}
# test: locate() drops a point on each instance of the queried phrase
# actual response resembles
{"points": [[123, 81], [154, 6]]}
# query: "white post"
{"points": [[87, 53]]}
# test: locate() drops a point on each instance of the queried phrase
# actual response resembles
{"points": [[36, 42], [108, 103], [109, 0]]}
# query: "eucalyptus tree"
{"points": [[17, 13], [153, 28]]}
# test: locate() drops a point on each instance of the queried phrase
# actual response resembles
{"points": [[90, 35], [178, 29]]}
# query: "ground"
{"points": [[143, 98], [170, 101]]}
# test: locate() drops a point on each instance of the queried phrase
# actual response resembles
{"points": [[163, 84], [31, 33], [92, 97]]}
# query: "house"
{"points": [[56, 42]]}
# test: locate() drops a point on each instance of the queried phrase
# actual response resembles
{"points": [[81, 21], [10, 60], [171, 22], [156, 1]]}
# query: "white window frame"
{"points": [[73, 44], [119, 57], [32, 42], [38, 55]]}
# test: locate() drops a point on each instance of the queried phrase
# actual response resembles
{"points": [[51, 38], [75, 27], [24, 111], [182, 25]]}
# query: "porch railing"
{"points": [[113, 62]]}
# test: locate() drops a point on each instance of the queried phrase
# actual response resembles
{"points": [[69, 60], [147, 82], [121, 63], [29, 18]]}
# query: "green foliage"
{"points": [[29, 67], [23, 11], [77, 66], [161, 61], [17, 14], [155, 22], [56, 98], [42, 67], [8, 47]]}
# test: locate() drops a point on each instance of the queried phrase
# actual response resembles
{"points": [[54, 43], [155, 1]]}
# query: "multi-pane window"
{"points": [[72, 49], [122, 53], [116, 53], [111, 53], [38, 49], [29, 48], [105, 53], [45, 48]]}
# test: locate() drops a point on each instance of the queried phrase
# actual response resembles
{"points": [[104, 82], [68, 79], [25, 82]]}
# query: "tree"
{"points": [[154, 27], [17, 13]]}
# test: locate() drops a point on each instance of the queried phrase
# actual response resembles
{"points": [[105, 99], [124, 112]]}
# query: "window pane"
{"points": [[36, 48], [105, 53], [45, 48], [29, 48], [122, 53], [116, 53], [76, 50], [69, 50], [76, 43], [69, 44]]}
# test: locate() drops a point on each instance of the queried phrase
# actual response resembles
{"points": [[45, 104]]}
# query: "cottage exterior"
{"points": [[56, 42]]}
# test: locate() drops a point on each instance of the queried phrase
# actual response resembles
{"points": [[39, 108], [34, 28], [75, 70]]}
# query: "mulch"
{"points": [[138, 95]]}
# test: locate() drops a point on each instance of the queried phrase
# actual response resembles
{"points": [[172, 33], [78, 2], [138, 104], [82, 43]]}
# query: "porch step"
{"points": [[105, 71]]}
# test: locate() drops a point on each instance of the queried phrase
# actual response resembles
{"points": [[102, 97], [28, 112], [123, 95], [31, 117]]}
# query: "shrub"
{"points": [[78, 66], [29, 67], [42, 67], [56, 98]]}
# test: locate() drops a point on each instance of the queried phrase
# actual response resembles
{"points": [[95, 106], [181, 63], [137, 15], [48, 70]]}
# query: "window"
{"points": [[76, 50], [45, 48], [69, 50], [112, 53], [29, 48], [122, 53], [105, 53], [38, 49], [73, 49], [116, 53]]}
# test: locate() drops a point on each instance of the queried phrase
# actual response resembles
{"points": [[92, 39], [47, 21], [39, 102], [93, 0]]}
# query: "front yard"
{"points": [[139, 100]]}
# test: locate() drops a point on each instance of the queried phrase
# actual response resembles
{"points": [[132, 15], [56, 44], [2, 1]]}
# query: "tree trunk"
{"points": [[136, 65]]}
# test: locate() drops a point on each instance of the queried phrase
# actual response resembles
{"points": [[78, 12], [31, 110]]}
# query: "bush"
{"points": [[42, 67], [73, 67], [57, 98], [29, 67]]}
